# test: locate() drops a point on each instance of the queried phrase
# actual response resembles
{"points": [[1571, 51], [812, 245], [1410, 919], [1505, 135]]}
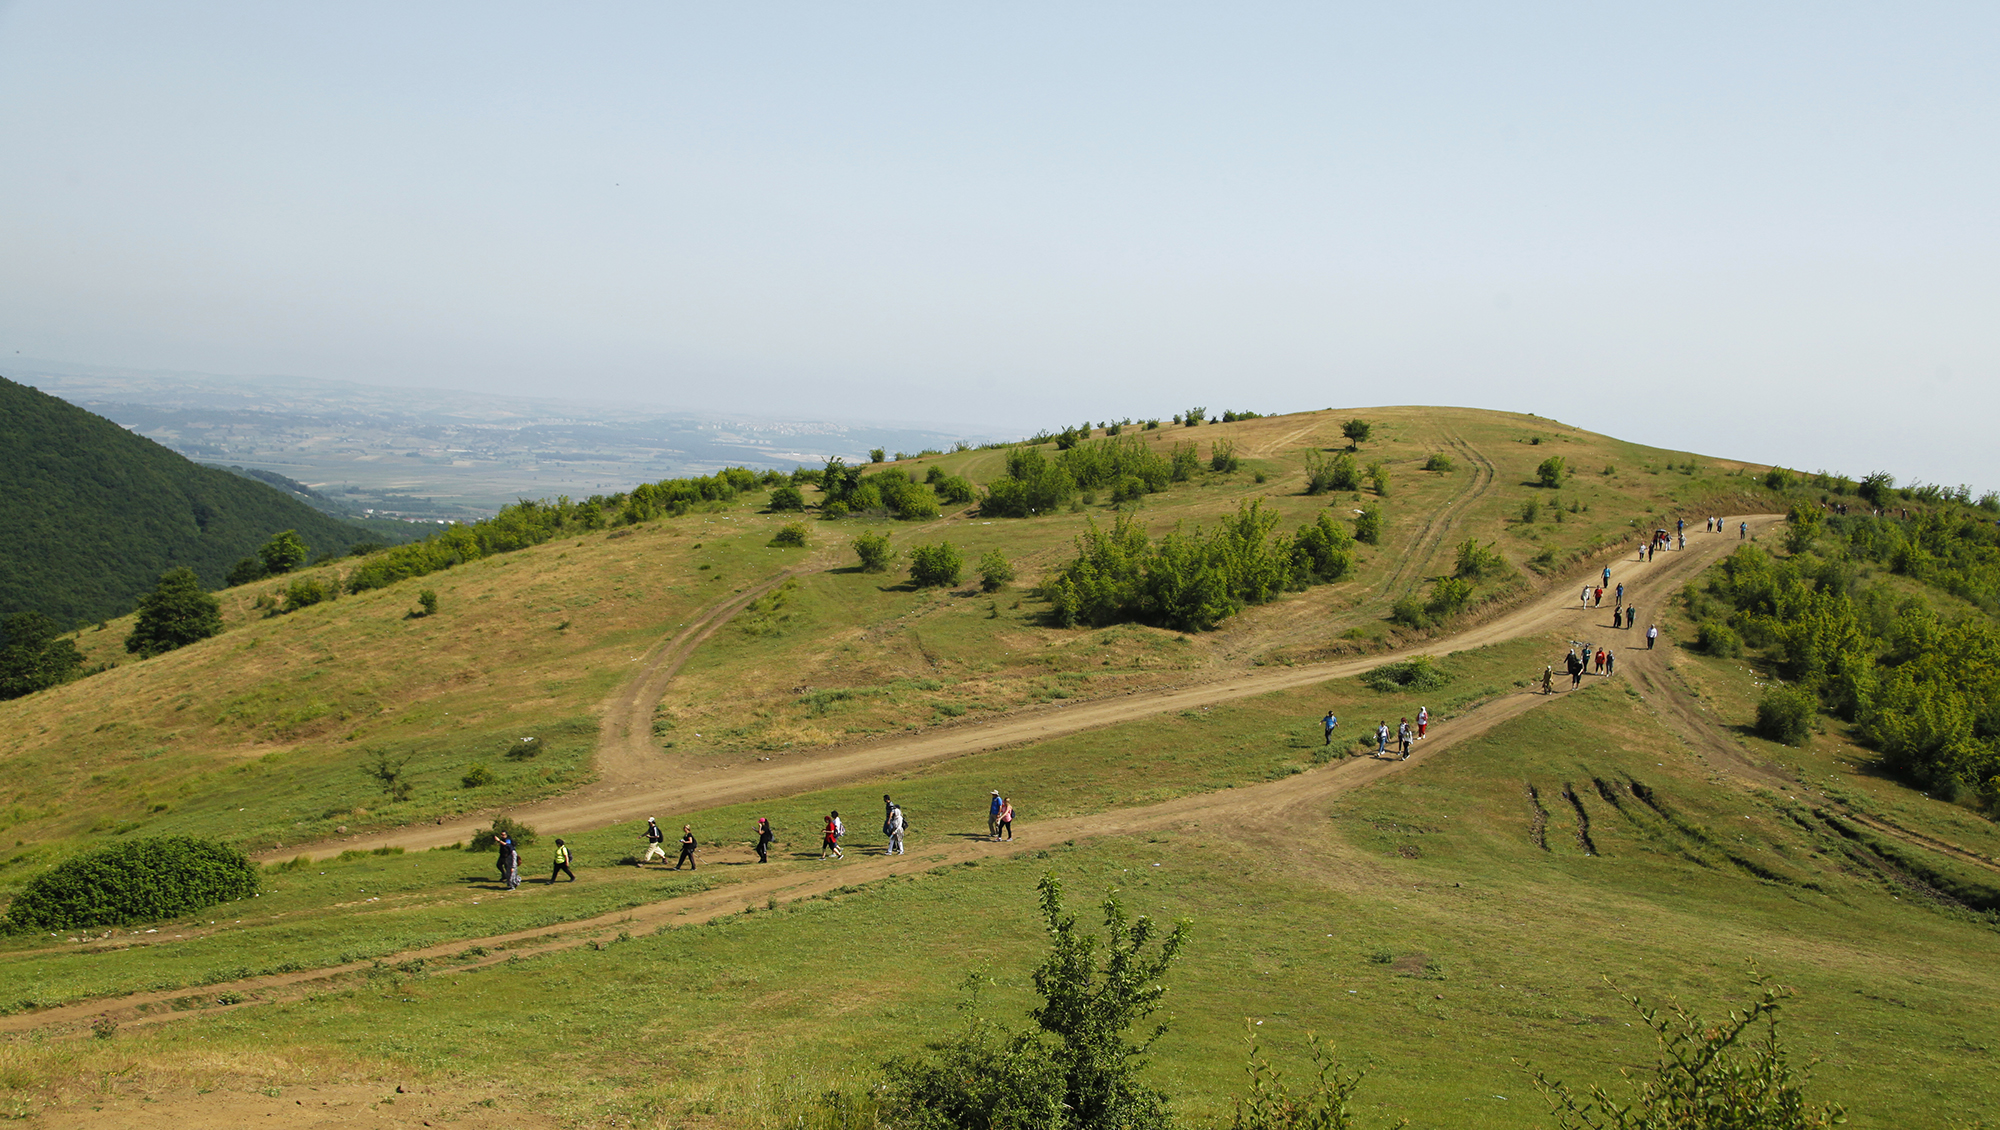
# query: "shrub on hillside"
{"points": [[1785, 714], [1714, 637], [176, 613], [1417, 673], [141, 880], [791, 534], [1552, 471], [285, 552], [935, 565], [1438, 461], [305, 591], [994, 570], [874, 552], [787, 497], [488, 839], [1368, 525], [1222, 457]]}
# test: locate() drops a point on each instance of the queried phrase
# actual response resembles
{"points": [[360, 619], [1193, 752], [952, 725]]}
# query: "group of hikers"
{"points": [[1405, 736], [833, 834], [509, 861]]}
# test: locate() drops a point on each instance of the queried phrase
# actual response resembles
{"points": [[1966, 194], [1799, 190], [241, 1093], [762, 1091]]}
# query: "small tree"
{"points": [[35, 656], [1785, 714], [1708, 1074], [428, 601], [245, 571], [285, 552], [1222, 456], [388, 772], [877, 455], [874, 552], [1368, 525], [176, 613], [1378, 477], [994, 571], [1356, 431], [935, 565], [790, 534], [304, 591], [1802, 525], [1439, 462], [1552, 471], [1195, 416], [787, 497]]}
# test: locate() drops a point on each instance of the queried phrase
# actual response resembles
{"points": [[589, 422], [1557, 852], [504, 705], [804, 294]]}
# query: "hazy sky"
{"points": [[1765, 231]]}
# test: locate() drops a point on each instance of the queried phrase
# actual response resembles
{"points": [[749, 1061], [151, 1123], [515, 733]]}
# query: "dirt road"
{"points": [[634, 775]]}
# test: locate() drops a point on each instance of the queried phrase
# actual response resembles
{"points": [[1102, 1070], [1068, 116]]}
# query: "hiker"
{"points": [[1742, 530], [687, 848], [1423, 720], [1631, 615], [1381, 738], [764, 838], [1600, 661], [1599, 602], [1575, 666], [892, 827], [1652, 633], [993, 816], [1007, 819], [656, 842], [1617, 616], [1642, 551], [509, 861], [1708, 527], [1621, 593], [1548, 679], [1403, 738], [562, 864], [831, 841], [1329, 722], [1610, 663], [1607, 575], [1684, 542]]}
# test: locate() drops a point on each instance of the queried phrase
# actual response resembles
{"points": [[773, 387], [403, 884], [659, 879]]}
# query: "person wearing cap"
{"points": [[993, 816], [764, 839], [687, 848], [656, 842], [562, 864]]}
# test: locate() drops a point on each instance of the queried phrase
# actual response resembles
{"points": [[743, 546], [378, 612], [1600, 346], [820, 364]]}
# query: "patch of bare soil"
{"points": [[368, 1105]]}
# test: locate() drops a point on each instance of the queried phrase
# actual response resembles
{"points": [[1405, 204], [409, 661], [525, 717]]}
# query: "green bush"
{"points": [[874, 552], [1531, 510], [176, 613], [285, 552], [1552, 471], [1475, 560], [479, 776], [427, 600], [1368, 525], [305, 591], [994, 570], [787, 497], [1785, 714], [487, 839], [1714, 637], [935, 565], [1417, 673], [1449, 596], [1357, 431], [791, 534], [956, 490], [134, 881], [1439, 462], [1222, 457], [1378, 477], [1409, 612], [1337, 473]]}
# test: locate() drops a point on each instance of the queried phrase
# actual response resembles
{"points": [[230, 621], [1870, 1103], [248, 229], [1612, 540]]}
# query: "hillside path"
{"points": [[633, 782]]}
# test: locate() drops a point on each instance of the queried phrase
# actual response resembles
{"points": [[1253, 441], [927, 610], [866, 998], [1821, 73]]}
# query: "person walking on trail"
{"points": [[1617, 616], [1423, 720], [1403, 738], [687, 848], [1575, 666], [1652, 633], [1621, 593], [1548, 679], [893, 828], [1642, 551], [831, 842], [1599, 602], [1742, 530], [1584, 600], [1607, 575], [1684, 542], [509, 861], [1329, 722], [993, 816], [1610, 663], [1381, 737], [764, 838], [1007, 819], [562, 864], [1600, 661], [656, 842]]}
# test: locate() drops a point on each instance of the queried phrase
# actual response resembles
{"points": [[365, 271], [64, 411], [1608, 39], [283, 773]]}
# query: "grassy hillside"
{"points": [[95, 514], [1443, 920]]}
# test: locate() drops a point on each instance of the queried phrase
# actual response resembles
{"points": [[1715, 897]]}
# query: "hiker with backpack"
{"points": [[687, 848], [764, 839], [656, 842], [509, 861], [1329, 722], [893, 827], [1007, 819], [831, 841], [562, 864]]}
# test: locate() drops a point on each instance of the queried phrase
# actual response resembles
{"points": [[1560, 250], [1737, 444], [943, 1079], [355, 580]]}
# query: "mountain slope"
{"points": [[95, 514]]}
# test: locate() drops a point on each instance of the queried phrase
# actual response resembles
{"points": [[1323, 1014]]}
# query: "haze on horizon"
{"points": [[1767, 234]]}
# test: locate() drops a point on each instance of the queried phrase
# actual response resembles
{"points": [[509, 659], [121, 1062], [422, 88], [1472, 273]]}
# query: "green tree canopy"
{"points": [[176, 613], [285, 552]]}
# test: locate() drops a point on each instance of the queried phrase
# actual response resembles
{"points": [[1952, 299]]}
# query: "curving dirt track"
{"points": [[633, 777]]}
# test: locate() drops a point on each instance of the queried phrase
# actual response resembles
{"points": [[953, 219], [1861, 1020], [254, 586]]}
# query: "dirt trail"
{"points": [[633, 783]]}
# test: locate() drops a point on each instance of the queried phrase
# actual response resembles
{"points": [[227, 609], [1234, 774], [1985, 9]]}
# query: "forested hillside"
{"points": [[94, 514]]}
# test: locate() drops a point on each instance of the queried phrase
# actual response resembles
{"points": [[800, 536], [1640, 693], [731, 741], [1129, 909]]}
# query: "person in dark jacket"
{"points": [[509, 861], [687, 848], [764, 839]]}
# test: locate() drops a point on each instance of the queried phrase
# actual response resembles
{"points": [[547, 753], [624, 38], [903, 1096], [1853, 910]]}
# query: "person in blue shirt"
{"points": [[1329, 722], [993, 816]]}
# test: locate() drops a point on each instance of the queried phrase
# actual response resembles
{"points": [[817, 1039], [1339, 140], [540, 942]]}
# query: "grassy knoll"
{"points": [[1416, 923]]}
